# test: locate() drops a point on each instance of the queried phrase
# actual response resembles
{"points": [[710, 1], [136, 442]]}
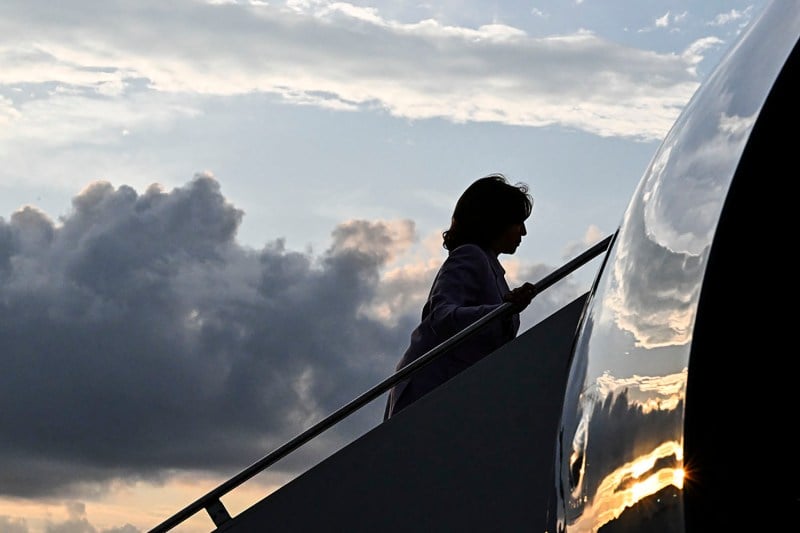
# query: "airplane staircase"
{"points": [[475, 454]]}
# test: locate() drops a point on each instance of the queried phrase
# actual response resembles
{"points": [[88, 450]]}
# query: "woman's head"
{"points": [[486, 210]]}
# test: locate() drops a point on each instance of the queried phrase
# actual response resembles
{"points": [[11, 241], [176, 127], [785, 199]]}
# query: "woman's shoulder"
{"points": [[468, 249], [470, 254]]}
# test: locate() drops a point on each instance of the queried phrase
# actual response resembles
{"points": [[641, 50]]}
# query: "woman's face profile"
{"points": [[509, 240]]}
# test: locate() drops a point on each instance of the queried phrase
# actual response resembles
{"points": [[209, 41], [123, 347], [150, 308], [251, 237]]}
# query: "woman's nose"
{"points": [[523, 230]]}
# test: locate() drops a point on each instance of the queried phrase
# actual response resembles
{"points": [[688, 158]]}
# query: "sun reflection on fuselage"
{"points": [[631, 483]]}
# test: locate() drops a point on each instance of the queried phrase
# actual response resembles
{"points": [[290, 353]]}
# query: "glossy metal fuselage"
{"points": [[620, 456]]}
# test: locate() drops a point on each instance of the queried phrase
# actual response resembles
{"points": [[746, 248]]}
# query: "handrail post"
{"points": [[218, 513]]}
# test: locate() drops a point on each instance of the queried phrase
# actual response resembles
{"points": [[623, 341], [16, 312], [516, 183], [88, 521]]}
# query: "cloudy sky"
{"points": [[218, 219]]}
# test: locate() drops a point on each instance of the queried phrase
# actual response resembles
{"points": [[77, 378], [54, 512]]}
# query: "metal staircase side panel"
{"points": [[476, 454]]}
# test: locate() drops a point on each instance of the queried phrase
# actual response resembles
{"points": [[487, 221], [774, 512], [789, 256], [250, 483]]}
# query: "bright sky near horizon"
{"points": [[219, 219]]}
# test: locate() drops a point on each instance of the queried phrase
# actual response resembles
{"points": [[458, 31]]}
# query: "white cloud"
{"points": [[347, 57], [694, 53], [66, 115], [731, 16]]}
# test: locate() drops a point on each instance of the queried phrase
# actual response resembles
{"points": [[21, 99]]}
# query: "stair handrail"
{"points": [[211, 500]]}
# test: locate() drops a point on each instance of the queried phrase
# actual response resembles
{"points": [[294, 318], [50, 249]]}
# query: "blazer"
{"points": [[470, 284]]}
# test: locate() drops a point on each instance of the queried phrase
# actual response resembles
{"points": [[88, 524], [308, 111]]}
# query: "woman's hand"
{"points": [[521, 296]]}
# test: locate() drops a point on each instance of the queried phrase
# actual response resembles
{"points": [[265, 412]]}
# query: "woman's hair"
{"points": [[485, 210]]}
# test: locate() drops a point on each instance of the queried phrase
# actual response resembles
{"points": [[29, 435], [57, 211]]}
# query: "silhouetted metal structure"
{"points": [[676, 401], [211, 501]]}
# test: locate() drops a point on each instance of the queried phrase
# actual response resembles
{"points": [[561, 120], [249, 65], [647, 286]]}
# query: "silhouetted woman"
{"points": [[488, 220]]}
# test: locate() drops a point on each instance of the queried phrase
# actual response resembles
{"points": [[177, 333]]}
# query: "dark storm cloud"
{"points": [[138, 336]]}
